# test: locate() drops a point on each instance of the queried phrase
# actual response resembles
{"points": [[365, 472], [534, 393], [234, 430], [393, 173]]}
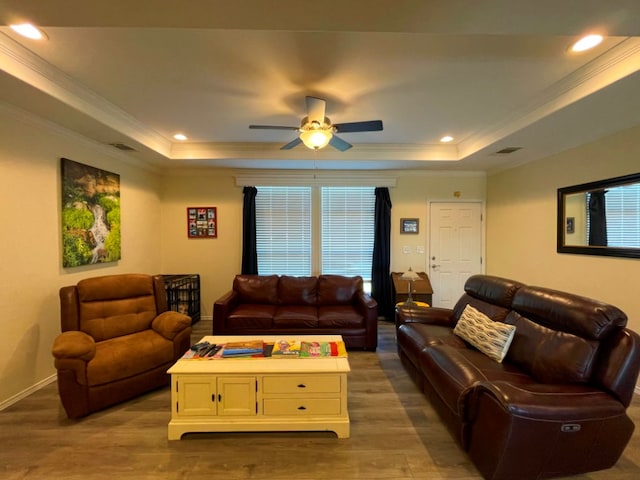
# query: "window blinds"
{"points": [[283, 230], [623, 222], [347, 230]]}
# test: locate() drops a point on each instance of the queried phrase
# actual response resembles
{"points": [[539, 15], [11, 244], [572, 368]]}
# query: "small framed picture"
{"points": [[202, 222], [409, 225]]}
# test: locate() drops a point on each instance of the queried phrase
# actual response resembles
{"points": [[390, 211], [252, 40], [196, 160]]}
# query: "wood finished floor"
{"points": [[395, 435]]}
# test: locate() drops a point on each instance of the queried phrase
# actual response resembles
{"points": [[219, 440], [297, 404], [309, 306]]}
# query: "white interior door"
{"points": [[455, 248]]}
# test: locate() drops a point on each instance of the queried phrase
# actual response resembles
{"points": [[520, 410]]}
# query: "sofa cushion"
{"points": [[114, 360], [494, 290], [295, 317], [339, 316], [111, 307], [298, 290], [568, 312], [494, 312], [451, 371], [414, 337], [491, 338], [251, 316], [337, 290], [550, 356], [262, 289]]}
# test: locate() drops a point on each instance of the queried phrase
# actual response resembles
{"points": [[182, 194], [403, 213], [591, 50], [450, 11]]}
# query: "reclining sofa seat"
{"points": [[118, 340], [557, 403], [289, 305]]}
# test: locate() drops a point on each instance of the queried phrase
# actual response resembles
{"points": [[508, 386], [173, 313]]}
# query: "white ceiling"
{"points": [[493, 74]]}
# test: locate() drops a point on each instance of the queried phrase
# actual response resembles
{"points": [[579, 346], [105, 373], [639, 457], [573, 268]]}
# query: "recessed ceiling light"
{"points": [[587, 42], [29, 31], [180, 136], [446, 139]]}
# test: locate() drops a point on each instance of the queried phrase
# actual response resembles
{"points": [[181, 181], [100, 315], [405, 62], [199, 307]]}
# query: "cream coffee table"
{"points": [[260, 394]]}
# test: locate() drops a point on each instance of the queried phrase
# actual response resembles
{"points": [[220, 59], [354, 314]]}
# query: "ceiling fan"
{"points": [[317, 131]]}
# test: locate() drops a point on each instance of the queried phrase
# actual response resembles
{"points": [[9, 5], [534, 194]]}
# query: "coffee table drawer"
{"points": [[301, 406], [301, 384]]}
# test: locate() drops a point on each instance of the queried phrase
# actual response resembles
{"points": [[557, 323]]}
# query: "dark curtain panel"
{"points": [[249, 246], [597, 219], [381, 287]]}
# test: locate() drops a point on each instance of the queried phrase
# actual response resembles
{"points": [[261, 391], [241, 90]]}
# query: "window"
{"points": [[342, 231], [283, 230], [347, 222], [622, 204], [623, 222]]}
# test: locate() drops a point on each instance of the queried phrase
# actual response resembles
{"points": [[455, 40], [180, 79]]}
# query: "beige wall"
{"points": [[520, 230], [218, 260], [521, 224], [154, 236], [31, 269], [410, 199]]}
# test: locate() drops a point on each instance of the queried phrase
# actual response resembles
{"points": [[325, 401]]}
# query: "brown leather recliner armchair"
{"points": [[118, 340]]}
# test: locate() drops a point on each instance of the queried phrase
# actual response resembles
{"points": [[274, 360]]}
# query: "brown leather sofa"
{"points": [[555, 406], [117, 340], [287, 305]]}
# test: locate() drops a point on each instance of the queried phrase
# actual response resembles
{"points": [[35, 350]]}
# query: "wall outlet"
{"points": [[420, 249], [406, 249]]}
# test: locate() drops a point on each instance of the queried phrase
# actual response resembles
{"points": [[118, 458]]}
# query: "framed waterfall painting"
{"points": [[90, 215]]}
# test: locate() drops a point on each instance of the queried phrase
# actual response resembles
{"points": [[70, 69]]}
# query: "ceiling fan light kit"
{"points": [[316, 130], [315, 139]]}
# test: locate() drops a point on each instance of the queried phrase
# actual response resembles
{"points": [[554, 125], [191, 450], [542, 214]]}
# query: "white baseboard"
{"points": [[25, 393]]}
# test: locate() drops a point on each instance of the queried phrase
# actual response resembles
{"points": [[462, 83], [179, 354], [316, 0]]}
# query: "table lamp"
{"points": [[410, 276]]}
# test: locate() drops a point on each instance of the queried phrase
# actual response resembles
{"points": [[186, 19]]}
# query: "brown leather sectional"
{"points": [[288, 305], [555, 406]]}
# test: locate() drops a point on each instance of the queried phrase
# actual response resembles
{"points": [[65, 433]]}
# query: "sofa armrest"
{"points": [[431, 315], [543, 402], [366, 301], [170, 323], [222, 308], [368, 307], [74, 345]]}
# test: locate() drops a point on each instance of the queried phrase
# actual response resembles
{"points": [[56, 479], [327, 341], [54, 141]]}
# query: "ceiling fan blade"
{"points": [[315, 109], [370, 126], [272, 127], [291, 144], [340, 144]]}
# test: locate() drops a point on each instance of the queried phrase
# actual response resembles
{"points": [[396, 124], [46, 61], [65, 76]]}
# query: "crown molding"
{"points": [[36, 121], [314, 178], [613, 65], [21, 63], [271, 151]]}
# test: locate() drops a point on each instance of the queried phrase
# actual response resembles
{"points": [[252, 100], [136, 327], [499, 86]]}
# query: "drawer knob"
{"points": [[302, 385], [302, 407]]}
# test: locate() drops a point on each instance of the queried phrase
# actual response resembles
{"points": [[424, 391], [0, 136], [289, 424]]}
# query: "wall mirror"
{"points": [[600, 218]]}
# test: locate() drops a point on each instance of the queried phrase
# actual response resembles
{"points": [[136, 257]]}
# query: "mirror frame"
{"points": [[592, 250]]}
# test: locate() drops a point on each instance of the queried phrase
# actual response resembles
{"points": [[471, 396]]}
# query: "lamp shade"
{"points": [[316, 139], [410, 275]]}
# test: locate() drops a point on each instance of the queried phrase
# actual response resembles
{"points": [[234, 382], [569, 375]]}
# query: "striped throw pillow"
{"points": [[491, 338]]}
